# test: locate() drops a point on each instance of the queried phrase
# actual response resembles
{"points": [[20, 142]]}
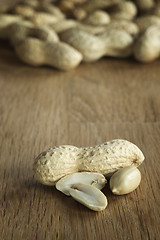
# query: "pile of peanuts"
{"points": [[67, 32]]}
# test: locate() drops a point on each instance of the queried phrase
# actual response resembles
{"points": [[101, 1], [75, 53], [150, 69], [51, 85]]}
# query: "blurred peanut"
{"points": [[113, 42]]}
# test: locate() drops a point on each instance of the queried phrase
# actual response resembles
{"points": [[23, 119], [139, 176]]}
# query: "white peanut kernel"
{"points": [[125, 180]]}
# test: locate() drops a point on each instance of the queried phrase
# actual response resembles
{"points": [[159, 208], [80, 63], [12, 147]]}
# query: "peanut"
{"points": [[22, 30], [145, 5], [56, 162], [40, 18], [124, 10], [89, 196], [56, 54], [125, 180], [63, 25], [97, 17], [144, 22], [66, 24], [121, 24], [25, 11], [39, 46], [90, 6], [31, 3], [94, 47], [147, 46], [68, 6], [90, 178], [5, 21], [49, 8]]}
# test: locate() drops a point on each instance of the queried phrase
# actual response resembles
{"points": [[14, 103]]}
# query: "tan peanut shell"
{"points": [[94, 47], [90, 6], [5, 21], [23, 30], [124, 10], [122, 24], [66, 24], [147, 46], [97, 17], [56, 54], [51, 9], [146, 21], [24, 10], [145, 5], [106, 158], [63, 25], [34, 4], [43, 18]]}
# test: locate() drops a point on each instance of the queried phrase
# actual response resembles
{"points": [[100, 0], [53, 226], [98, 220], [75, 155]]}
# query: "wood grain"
{"points": [[42, 107]]}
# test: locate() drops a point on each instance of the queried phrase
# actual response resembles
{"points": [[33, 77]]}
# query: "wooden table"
{"points": [[43, 107]]}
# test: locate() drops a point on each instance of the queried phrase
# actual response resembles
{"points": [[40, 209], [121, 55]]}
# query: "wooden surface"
{"points": [[43, 107]]}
